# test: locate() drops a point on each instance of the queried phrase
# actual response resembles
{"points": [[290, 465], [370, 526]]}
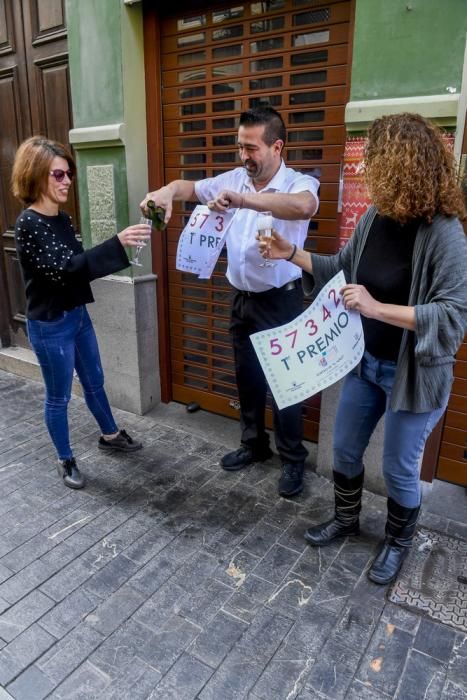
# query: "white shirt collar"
{"points": [[274, 184]]}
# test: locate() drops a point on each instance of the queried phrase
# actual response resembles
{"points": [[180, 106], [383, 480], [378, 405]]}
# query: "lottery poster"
{"points": [[314, 350], [202, 240]]}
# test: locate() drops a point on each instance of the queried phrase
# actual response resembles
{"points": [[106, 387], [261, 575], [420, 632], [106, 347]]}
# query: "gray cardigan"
{"points": [[438, 292]]}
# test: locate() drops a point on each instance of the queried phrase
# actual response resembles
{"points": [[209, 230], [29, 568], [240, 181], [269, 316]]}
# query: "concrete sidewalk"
{"points": [[168, 578]]}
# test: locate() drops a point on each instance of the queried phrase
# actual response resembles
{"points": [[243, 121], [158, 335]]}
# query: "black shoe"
{"points": [[238, 459], [70, 473], [387, 562], [325, 533], [122, 442], [291, 481]]}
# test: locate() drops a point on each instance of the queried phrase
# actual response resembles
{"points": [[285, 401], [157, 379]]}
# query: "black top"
{"points": [[56, 269], [385, 269]]}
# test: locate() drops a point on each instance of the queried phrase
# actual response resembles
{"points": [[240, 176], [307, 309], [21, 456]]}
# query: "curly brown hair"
{"points": [[410, 171]]}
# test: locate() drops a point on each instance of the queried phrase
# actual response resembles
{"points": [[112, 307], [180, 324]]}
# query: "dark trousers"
{"points": [[259, 312]]}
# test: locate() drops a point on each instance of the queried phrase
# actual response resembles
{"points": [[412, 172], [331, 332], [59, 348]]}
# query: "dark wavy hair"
{"points": [[32, 165], [410, 170]]}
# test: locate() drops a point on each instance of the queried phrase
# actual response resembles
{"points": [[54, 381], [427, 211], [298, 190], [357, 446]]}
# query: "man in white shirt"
{"points": [[264, 297]]}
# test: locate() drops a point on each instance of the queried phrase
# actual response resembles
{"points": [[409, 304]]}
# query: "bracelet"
{"points": [[294, 250], [240, 206]]}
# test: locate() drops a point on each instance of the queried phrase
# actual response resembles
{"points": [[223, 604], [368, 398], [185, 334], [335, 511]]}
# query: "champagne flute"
{"points": [[141, 244], [264, 228]]}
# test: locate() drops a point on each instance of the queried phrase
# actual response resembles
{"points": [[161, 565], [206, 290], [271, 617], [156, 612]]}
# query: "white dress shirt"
{"points": [[244, 260]]}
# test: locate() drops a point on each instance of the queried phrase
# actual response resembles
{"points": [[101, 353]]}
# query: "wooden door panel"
{"points": [[308, 96], [238, 85], [34, 99], [15, 126]]}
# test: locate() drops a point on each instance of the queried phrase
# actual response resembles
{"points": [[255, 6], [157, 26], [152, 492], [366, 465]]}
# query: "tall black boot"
{"points": [[348, 502], [400, 530]]}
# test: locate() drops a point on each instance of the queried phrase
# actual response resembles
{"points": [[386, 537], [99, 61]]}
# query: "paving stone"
{"points": [[23, 651], [291, 596], [111, 577], [30, 685], [196, 570], [249, 598], [69, 613], [23, 583], [276, 564], [136, 680], [155, 573], [333, 671], [435, 639], [68, 653], [310, 632], [84, 683], [261, 539], [235, 567], [148, 545], [457, 669], [401, 618], [4, 695], [121, 648], [286, 673], [168, 643], [385, 658], [115, 610], [20, 616], [184, 680], [162, 605], [423, 678], [452, 691], [205, 602], [360, 691], [217, 638], [242, 668], [355, 626]]}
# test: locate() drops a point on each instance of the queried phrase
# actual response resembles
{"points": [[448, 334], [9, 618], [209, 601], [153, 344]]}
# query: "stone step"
{"points": [[23, 362]]}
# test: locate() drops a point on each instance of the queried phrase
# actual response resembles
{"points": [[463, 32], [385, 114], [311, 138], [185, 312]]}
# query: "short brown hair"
{"points": [[32, 165], [410, 170]]}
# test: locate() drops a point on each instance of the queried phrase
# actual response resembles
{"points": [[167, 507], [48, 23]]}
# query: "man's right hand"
{"points": [[162, 198]]}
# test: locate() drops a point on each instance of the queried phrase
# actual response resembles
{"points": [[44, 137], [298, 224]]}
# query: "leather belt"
{"points": [[293, 284]]}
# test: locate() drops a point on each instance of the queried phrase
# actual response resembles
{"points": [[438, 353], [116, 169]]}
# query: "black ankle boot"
{"points": [[348, 500], [400, 530], [70, 473]]}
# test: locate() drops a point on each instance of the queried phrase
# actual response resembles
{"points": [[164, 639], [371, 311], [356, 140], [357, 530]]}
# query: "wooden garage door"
{"points": [[215, 63], [452, 463]]}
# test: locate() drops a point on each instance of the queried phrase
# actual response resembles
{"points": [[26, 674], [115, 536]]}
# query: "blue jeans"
{"points": [[61, 346], [364, 399]]}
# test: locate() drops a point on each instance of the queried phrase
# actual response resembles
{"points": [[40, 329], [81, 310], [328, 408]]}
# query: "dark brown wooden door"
{"points": [[215, 62], [34, 99]]}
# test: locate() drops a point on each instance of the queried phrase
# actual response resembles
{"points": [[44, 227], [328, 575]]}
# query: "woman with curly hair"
{"points": [[57, 273], [406, 273]]}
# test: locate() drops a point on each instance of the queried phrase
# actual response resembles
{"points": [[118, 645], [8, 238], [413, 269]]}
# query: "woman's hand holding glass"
{"points": [[274, 247], [136, 236]]}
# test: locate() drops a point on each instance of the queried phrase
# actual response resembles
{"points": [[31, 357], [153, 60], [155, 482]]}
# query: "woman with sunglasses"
{"points": [[57, 273], [406, 268]]}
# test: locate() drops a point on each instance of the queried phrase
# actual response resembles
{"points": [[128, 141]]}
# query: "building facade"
{"points": [[146, 93]]}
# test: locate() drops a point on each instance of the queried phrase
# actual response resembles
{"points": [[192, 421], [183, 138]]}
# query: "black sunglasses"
{"points": [[60, 174]]}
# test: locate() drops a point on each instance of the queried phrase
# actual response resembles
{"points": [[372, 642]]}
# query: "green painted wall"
{"points": [[94, 44], [99, 156], [401, 52]]}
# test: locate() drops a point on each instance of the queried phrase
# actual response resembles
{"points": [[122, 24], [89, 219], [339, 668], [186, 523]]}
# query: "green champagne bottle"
{"points": [[157, 215]]}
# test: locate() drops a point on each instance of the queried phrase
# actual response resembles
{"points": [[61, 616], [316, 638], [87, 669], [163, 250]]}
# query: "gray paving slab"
{"points": [[168, 578]]}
